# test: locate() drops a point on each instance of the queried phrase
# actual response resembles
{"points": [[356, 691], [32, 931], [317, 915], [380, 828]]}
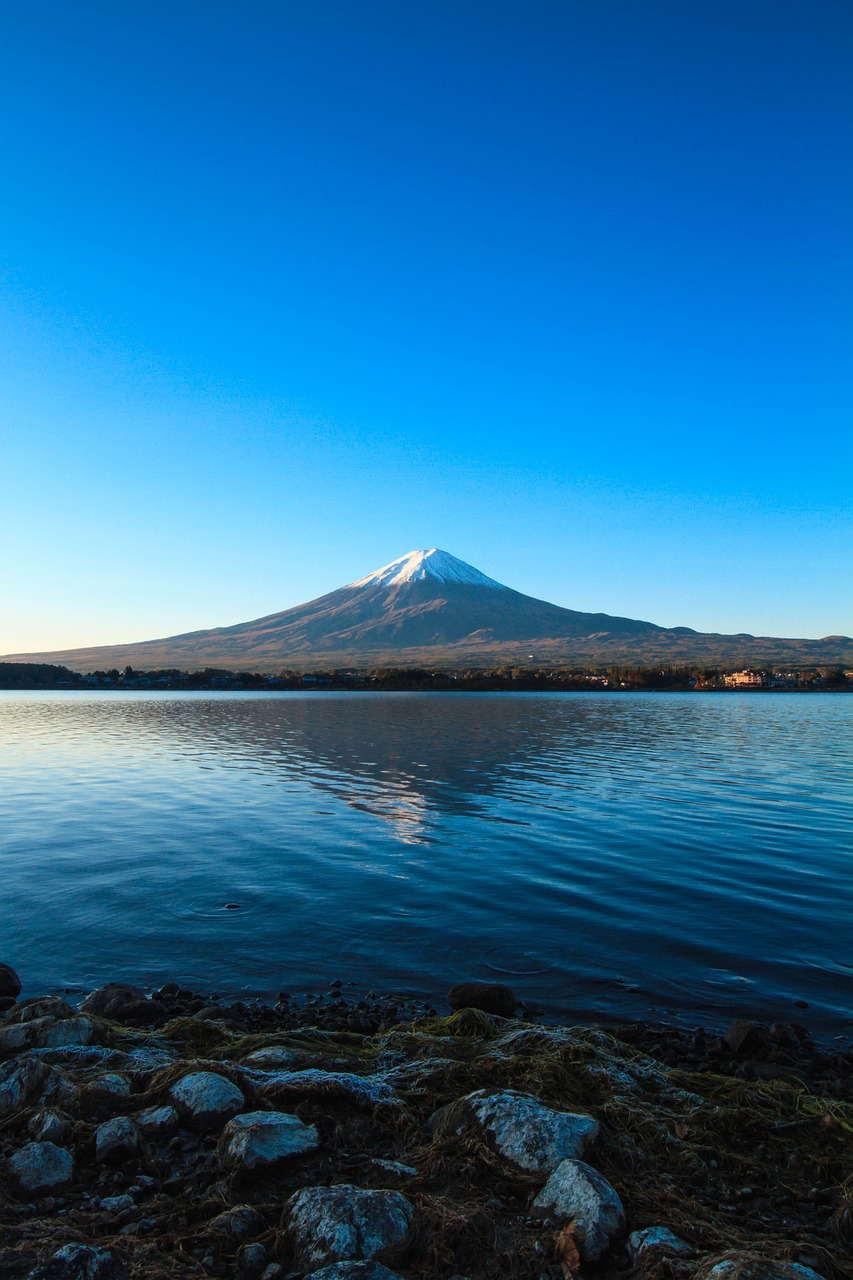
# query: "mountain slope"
{"points": [[429, 607]]}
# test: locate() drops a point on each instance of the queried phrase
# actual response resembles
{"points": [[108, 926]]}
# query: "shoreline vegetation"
{"points": [[172, 1134], [611, 679]]}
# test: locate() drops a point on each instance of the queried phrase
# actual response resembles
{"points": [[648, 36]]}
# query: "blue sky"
{"points": [[289, 289]]}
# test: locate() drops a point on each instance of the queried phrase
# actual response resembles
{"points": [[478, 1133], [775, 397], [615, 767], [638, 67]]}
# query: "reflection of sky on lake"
{"points": [[694, 848]]}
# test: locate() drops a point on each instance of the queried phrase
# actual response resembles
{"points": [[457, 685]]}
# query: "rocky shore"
{"points": [[169, 1134]]}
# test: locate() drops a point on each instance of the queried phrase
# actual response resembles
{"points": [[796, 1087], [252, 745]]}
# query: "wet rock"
{"points": [[10, 983], [206, 1099], [578, 1194], [239, 1222], [116, 1140], [119, 1002], [39, 1168], [488, 997], [156, 1122], [345, 1223], [745, 1038], [521, 1129], [260, 1139], [362, 1091], [355, 1271], [47, 1126], [655, 1242], [80, 1262], [39, 1007]]}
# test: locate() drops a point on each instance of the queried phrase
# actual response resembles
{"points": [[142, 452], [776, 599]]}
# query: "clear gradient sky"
{"points": [[291, 287]]}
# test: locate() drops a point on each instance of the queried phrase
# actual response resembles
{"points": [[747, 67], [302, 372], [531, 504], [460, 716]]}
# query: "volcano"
{"points": [[428, 607]]}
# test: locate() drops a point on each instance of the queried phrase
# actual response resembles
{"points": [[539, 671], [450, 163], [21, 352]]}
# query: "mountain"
{"points": [[427, 607]]}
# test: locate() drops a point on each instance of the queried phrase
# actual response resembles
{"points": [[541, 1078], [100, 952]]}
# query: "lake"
{"points": [[676, 857]]}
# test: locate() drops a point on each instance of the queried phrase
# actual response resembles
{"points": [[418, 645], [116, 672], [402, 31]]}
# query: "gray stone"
{"points": [[276, 1056], [260, 1139], [117, 1204], [157, 1122], [116, 1140], [395, 1168], [111, 1085], [521, 1129], [26, 1080], [40, 1167], [47, 1126], [206, 1099], [46, 1032], [355, 1271], [80, 1262], [344, 1223], [239, 1222], [577, 1193], [251, 1258], [119, 1002], [39, 1007], [655, 1242], [362, 1091]]}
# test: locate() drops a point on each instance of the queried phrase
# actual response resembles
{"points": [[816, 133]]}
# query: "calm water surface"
{"points": [[620, 855]]}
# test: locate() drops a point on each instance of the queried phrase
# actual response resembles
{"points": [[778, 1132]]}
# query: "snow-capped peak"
{"points": [[437, 565]]}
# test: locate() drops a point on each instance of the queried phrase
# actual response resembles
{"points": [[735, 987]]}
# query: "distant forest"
{"points": [[40, 675]]}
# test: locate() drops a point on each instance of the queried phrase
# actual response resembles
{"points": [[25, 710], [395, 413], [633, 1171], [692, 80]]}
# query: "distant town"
{"points": [[27, 675]]}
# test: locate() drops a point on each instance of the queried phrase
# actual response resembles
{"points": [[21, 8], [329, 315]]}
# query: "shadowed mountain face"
{"points": [[428, 607]]}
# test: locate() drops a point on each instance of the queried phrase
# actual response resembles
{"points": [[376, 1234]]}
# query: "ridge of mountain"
{"points": [[428, 607]]}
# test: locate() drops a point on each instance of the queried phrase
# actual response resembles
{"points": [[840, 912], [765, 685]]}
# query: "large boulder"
{"points": [[488, 997], [119, 1002], [80, 1262], [205, 1099], [39, 1007], [578, 1194], [46, 1033], [344, 1223], [40, 1168], [521, 1129], [10, 986]]}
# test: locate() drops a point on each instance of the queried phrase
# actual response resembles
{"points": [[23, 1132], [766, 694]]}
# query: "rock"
{"points": [[239, 1222], [578, 1194], [488, 997], [395, 1168], [10, 983], [117, 1204], [251, 1258], [80, 1262], [746, 1038], [157, 1121], [47, 1126], [522, 1130], [25, 1080], [655, 1242], [362, 1091], [260, 1139], [110, 1086], [206, 1099], [355, 1271], [118, 1002], [344, 1223], [751, 1268], [40, 1167], [277, 1056], [116, 1140], [45, 1033], [39, 1007]]}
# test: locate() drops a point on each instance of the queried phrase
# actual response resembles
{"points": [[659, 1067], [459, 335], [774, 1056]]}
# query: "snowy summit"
{"points": [[434, 565]]}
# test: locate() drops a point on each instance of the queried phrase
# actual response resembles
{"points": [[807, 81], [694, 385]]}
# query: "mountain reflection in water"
{"points": [[639, 855]]}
